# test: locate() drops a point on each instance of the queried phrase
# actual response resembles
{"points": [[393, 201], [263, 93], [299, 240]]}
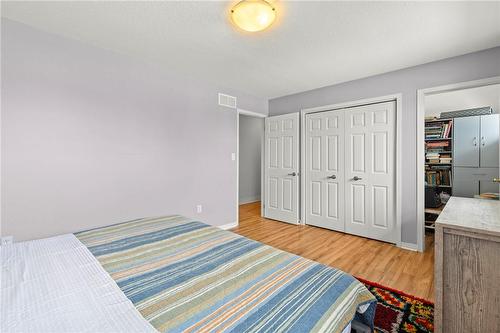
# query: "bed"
{"points": [[172, 274]]}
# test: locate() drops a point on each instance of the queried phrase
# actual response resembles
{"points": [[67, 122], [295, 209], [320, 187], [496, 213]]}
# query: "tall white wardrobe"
{"points": [[475, 155]]}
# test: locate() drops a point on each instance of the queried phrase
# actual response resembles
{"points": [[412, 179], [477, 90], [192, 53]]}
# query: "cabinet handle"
{"points": [[483, 141], [474, 141]]}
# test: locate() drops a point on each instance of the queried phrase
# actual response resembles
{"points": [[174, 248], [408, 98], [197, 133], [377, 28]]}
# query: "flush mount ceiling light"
{"points": [[253, 15]]}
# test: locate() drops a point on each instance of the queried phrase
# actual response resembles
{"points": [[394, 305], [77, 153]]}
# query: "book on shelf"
{"points": [[438, 157], [438, 129], [437, 144], [438, 150], [492, 196], [438, 177]]}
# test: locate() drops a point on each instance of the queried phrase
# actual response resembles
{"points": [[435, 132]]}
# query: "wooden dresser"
{"points": [[467, 267]]}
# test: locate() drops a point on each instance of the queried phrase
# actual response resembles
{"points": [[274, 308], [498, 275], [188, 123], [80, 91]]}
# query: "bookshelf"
{"points": [[439, 152], [438, 162]]}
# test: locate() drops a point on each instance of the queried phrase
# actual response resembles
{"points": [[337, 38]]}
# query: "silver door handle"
{"points": [[332, 177], [483, 141], [356, 178], [474, 141], [293, 174]]}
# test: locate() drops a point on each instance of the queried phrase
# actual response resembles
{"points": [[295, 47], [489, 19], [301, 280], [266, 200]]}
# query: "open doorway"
{"points": [[458, 147], [250, 159]]}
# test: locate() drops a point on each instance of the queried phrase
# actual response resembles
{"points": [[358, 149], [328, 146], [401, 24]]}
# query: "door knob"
{"points": [[293, 174], [356, 178], [496, 180], [332, 177]]}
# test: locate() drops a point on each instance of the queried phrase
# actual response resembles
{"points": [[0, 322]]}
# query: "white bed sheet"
{"points": [[57, 285]]}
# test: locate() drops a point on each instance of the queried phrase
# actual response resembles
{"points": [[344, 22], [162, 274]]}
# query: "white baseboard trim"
{"points": [[409, 246], [246, 200], [228, 226]]}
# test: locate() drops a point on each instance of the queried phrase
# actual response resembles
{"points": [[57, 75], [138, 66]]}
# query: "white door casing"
{"points": [[282, 168], [324, 169], [421, 94], [370, 171]]}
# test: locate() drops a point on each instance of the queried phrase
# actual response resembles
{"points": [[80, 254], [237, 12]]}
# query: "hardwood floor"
{"points": [[409, 271]]}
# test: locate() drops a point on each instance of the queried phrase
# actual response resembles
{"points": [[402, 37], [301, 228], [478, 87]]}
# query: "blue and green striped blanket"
{"points": [[183, 275]]}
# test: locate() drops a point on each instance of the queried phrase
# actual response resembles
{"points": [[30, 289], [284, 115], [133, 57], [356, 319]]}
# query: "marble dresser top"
{"points": [[479, 215]]}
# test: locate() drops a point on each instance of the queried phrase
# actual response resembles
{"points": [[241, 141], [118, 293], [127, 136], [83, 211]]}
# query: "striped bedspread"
{"points": [[183, 275]]}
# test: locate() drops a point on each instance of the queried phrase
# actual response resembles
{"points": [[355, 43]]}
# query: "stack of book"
{"points": [[434, 157], [438, 130], [437, 145], [433, 131], [445, 158]]}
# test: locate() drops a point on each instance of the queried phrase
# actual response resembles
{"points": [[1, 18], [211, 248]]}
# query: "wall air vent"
{"points": [[226, 100]]}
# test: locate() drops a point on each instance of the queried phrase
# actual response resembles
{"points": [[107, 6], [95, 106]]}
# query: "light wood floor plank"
{"points": [[409, 271]]}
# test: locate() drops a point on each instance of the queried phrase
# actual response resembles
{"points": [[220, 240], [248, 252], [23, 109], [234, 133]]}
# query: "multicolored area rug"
{"points": [[400, 312]]}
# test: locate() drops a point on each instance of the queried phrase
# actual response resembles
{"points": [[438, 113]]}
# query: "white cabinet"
{"points": [[475, 155]]}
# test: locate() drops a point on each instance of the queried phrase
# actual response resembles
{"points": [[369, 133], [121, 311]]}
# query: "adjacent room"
{"points": [[250, 166]]}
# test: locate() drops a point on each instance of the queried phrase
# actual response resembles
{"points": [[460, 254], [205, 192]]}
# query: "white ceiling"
{"points": [[313, 44]]}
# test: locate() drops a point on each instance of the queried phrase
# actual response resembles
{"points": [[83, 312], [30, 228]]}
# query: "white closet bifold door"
{"points": [[281, 163], [370, 171], [324, 172]]}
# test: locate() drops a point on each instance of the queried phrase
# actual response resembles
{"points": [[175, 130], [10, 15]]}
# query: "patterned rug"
{"points": [[400, 312]]}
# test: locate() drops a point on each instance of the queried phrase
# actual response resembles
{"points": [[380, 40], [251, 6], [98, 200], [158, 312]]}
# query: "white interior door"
{"points": [[370, 171], [282, 168], [324, 169]]}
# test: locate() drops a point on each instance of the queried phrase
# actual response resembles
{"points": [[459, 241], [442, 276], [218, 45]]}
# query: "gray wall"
{"points": [[91, 137], [406, 81], [251, 131]]}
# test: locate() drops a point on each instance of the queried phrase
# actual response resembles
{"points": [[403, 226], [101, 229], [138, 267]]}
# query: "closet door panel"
{"points": [[324, 170], [281, 164], [473, 181], [370, 171], [466, 142], [489, 141]]}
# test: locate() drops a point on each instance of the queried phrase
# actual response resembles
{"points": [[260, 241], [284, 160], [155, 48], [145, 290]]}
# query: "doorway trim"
{"points": [[421, 93], [360, 102], [262, 189]]}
